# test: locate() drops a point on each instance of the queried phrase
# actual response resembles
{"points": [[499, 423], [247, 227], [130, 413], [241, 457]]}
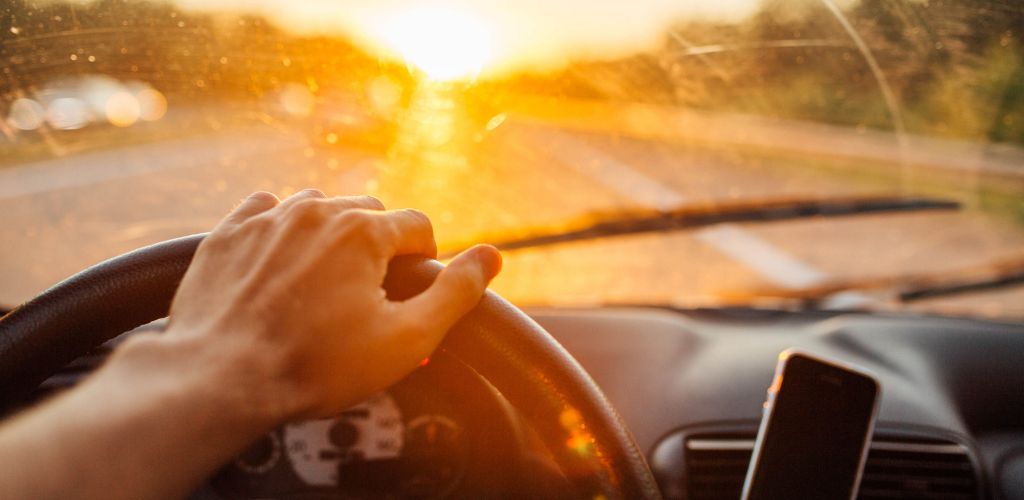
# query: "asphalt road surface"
{"points": [[504, 177]]}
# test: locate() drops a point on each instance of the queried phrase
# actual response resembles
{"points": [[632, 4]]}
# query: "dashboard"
{"points": [[689, 385]]}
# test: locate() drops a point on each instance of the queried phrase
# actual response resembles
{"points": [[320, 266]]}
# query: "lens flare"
{"points": [[152, 104], [445, 44], [297, 100], [25, 114], [122, 109], [67, 113]]}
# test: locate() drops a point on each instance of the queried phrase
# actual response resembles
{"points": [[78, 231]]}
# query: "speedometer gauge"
{"points": [[369, 431], [434, 444]]}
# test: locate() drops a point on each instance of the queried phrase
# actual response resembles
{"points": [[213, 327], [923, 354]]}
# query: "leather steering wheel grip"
{"points": [[517, 356]]}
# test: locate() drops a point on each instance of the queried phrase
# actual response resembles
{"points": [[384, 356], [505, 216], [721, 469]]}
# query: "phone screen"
{"points": [[813, 439]]}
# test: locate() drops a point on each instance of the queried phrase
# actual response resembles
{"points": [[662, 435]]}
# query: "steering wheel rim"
{"points": [[584, 433]]}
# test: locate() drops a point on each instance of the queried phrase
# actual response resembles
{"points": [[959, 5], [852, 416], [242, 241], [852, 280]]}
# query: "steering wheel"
{"points": [[515, 354]]}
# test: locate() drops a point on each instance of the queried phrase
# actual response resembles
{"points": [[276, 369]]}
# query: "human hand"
{"points": [[287, 297]]}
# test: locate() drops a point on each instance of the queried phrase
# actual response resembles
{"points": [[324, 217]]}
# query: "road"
{"points": [[515, 175]]}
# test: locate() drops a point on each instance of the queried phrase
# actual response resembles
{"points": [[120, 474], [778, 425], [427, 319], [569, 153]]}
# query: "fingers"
{"points": [[339, 203], [254, 204], [305, 194], [386, 234], [262, 201], [412, 233], [455, 292], [363, 202], [390, 233]]}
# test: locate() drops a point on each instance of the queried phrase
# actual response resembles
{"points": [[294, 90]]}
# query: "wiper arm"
{"points": [[690, 216], [999, 273], [964, 286]]}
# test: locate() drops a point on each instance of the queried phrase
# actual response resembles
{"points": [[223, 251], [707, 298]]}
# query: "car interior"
{"points": [[682, 191]]}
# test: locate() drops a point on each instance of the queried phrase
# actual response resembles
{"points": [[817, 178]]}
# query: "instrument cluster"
{"points": [[418, 439]]}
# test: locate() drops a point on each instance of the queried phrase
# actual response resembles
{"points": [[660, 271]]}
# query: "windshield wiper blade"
{"points": [[691, 216], [1000, 273], [1005, 274]]}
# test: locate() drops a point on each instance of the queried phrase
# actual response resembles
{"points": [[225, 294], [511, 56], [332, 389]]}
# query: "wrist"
{"points": [[232, 386], [167, 410]]}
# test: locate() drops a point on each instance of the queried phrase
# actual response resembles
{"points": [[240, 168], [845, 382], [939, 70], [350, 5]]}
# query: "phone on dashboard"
{"points": [[814, 435]]}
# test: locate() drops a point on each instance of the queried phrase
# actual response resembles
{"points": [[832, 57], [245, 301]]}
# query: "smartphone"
{"points": [[815, 432]]}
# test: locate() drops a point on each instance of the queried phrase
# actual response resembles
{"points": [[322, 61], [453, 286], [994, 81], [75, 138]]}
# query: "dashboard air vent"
{"points": [[917, 470]]}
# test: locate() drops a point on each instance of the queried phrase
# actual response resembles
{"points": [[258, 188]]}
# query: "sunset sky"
{"points": [[501, 34]]}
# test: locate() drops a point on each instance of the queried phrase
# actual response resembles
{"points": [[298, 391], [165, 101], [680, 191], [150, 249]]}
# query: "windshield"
{"points": [[832, 153]]}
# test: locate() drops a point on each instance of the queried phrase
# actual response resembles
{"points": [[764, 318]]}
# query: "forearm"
{"points": [[158, 418]]}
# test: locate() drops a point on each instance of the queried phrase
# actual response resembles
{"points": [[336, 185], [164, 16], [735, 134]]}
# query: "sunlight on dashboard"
{"points": [[446, 44]]}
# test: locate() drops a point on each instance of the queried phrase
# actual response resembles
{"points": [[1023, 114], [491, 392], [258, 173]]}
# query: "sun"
{"points": [[444, 43]]}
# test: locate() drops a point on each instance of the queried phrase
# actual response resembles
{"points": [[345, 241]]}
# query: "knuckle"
{"points": [[359, 222], [426, 225], [304, 207], [311, 193], [371, 202], [420, 218], [262, 198], [304, 213]]}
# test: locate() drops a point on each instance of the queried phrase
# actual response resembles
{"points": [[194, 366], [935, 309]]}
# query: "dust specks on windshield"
{"points": [[125, 122]]}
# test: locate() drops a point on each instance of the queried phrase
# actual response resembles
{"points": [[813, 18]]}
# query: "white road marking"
{"points": [[768, 260], [598, 165]]}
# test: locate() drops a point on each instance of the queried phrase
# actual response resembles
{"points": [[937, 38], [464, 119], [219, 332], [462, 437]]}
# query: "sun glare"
{"points": [[445, 44]]}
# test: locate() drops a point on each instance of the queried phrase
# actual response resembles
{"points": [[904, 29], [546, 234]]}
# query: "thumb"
{"points": [[455, 292]]}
